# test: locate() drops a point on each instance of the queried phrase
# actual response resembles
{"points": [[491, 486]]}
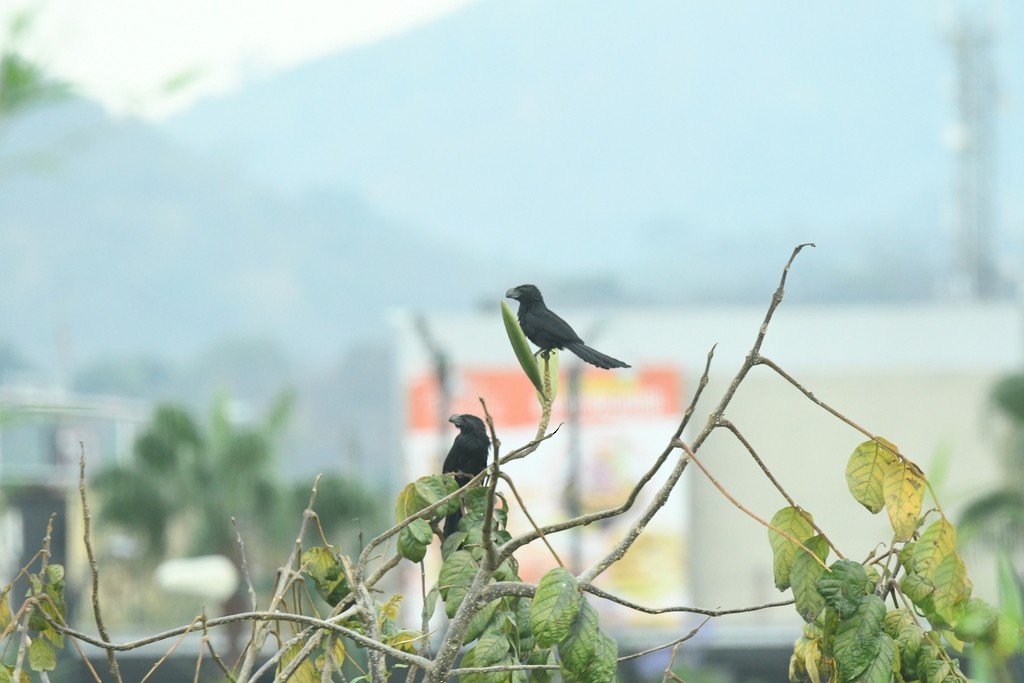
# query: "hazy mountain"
{"points": [[682, 147], [113, 240], [660, 152]]}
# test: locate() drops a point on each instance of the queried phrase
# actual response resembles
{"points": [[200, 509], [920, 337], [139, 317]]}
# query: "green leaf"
{"points": [[457, 573], [405, 504], [903, 490], [452, 543], [1009, 637], [936, 543], [588, 654], [866, 472], [881, 668], [804, 577], [796, 523], [7, 675], [952, 589], [480, 621], [859, 639], [491, 648], [41, 656], [414, 539], [916, 587], [844, 587], [55, 573], [433, 488], [523, 625], [978, 622], [424, 492], [430, 604], [521, 347], [555, 606], [545, 656], [324, 569]]}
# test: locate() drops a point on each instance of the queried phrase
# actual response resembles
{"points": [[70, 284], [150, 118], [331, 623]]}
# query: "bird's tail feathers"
{"points": [[595, 357], [451, 523]]}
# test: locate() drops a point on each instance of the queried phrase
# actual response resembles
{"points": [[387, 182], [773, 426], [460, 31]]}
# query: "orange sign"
{"points": [[647, 392]]}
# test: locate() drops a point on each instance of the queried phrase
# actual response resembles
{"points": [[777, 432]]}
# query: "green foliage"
{"points": [[323, 567], [555, 607], [851, 636], [47, 611]]}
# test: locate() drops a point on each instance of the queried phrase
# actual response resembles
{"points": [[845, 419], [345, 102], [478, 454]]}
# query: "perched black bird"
{"points": [[467, 456], [545, 329]]}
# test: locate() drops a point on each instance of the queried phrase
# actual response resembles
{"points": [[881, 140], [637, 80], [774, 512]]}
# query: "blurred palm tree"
{"points": [[997, 517], [183, 485]]}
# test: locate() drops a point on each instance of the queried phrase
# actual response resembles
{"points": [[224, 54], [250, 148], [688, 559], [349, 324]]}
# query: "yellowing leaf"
{"points": [[305, 673], [796, 523], [41, 656], [866, 471], [5, 610], [936, 543], [903, 490], [952, 589]]}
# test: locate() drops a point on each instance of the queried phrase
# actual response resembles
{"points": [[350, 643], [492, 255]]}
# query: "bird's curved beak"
{"points": [[512, 293], [456, 420]]}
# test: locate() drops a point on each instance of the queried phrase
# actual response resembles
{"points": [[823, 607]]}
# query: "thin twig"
{"points": [[669, 674], [767, 362], [159, 662], [591, 517], [213, 652], [594, 590], [329, 624], [524, 451], [115, 670], [526, 511], [764, 468], [492, 489], [745, 510], [673, 643], [284, 581]]}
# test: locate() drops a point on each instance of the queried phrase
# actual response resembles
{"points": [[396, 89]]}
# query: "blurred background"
{"points": [[272, 216]]}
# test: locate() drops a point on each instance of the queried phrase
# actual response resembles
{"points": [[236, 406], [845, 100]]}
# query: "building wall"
{"points": [[918, 376]]}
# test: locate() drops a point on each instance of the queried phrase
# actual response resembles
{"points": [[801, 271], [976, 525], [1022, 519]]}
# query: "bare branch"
{"points": [[748, 512], [764, 468], [673, 643], [115, 670], [492, 489], [682, 608]]}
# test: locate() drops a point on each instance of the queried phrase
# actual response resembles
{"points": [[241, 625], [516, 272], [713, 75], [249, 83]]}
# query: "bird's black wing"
{"points": [[546, 328]]}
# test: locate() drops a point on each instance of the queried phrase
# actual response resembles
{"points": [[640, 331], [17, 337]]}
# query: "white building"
{"points": [[918, 375]]}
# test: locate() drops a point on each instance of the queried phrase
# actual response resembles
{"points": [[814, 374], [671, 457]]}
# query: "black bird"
{"points": [[545, 329], [467, 457]]}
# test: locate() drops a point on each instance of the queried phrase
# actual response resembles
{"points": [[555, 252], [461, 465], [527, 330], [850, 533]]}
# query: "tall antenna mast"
{"points": [[974, 275]]}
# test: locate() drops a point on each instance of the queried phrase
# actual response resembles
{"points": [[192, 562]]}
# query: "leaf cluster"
{"points": [[850, 634], [44, 607]]}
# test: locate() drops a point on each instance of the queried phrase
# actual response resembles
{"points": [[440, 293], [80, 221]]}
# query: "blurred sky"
{"points": [[123, 53], [714, 136]]}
